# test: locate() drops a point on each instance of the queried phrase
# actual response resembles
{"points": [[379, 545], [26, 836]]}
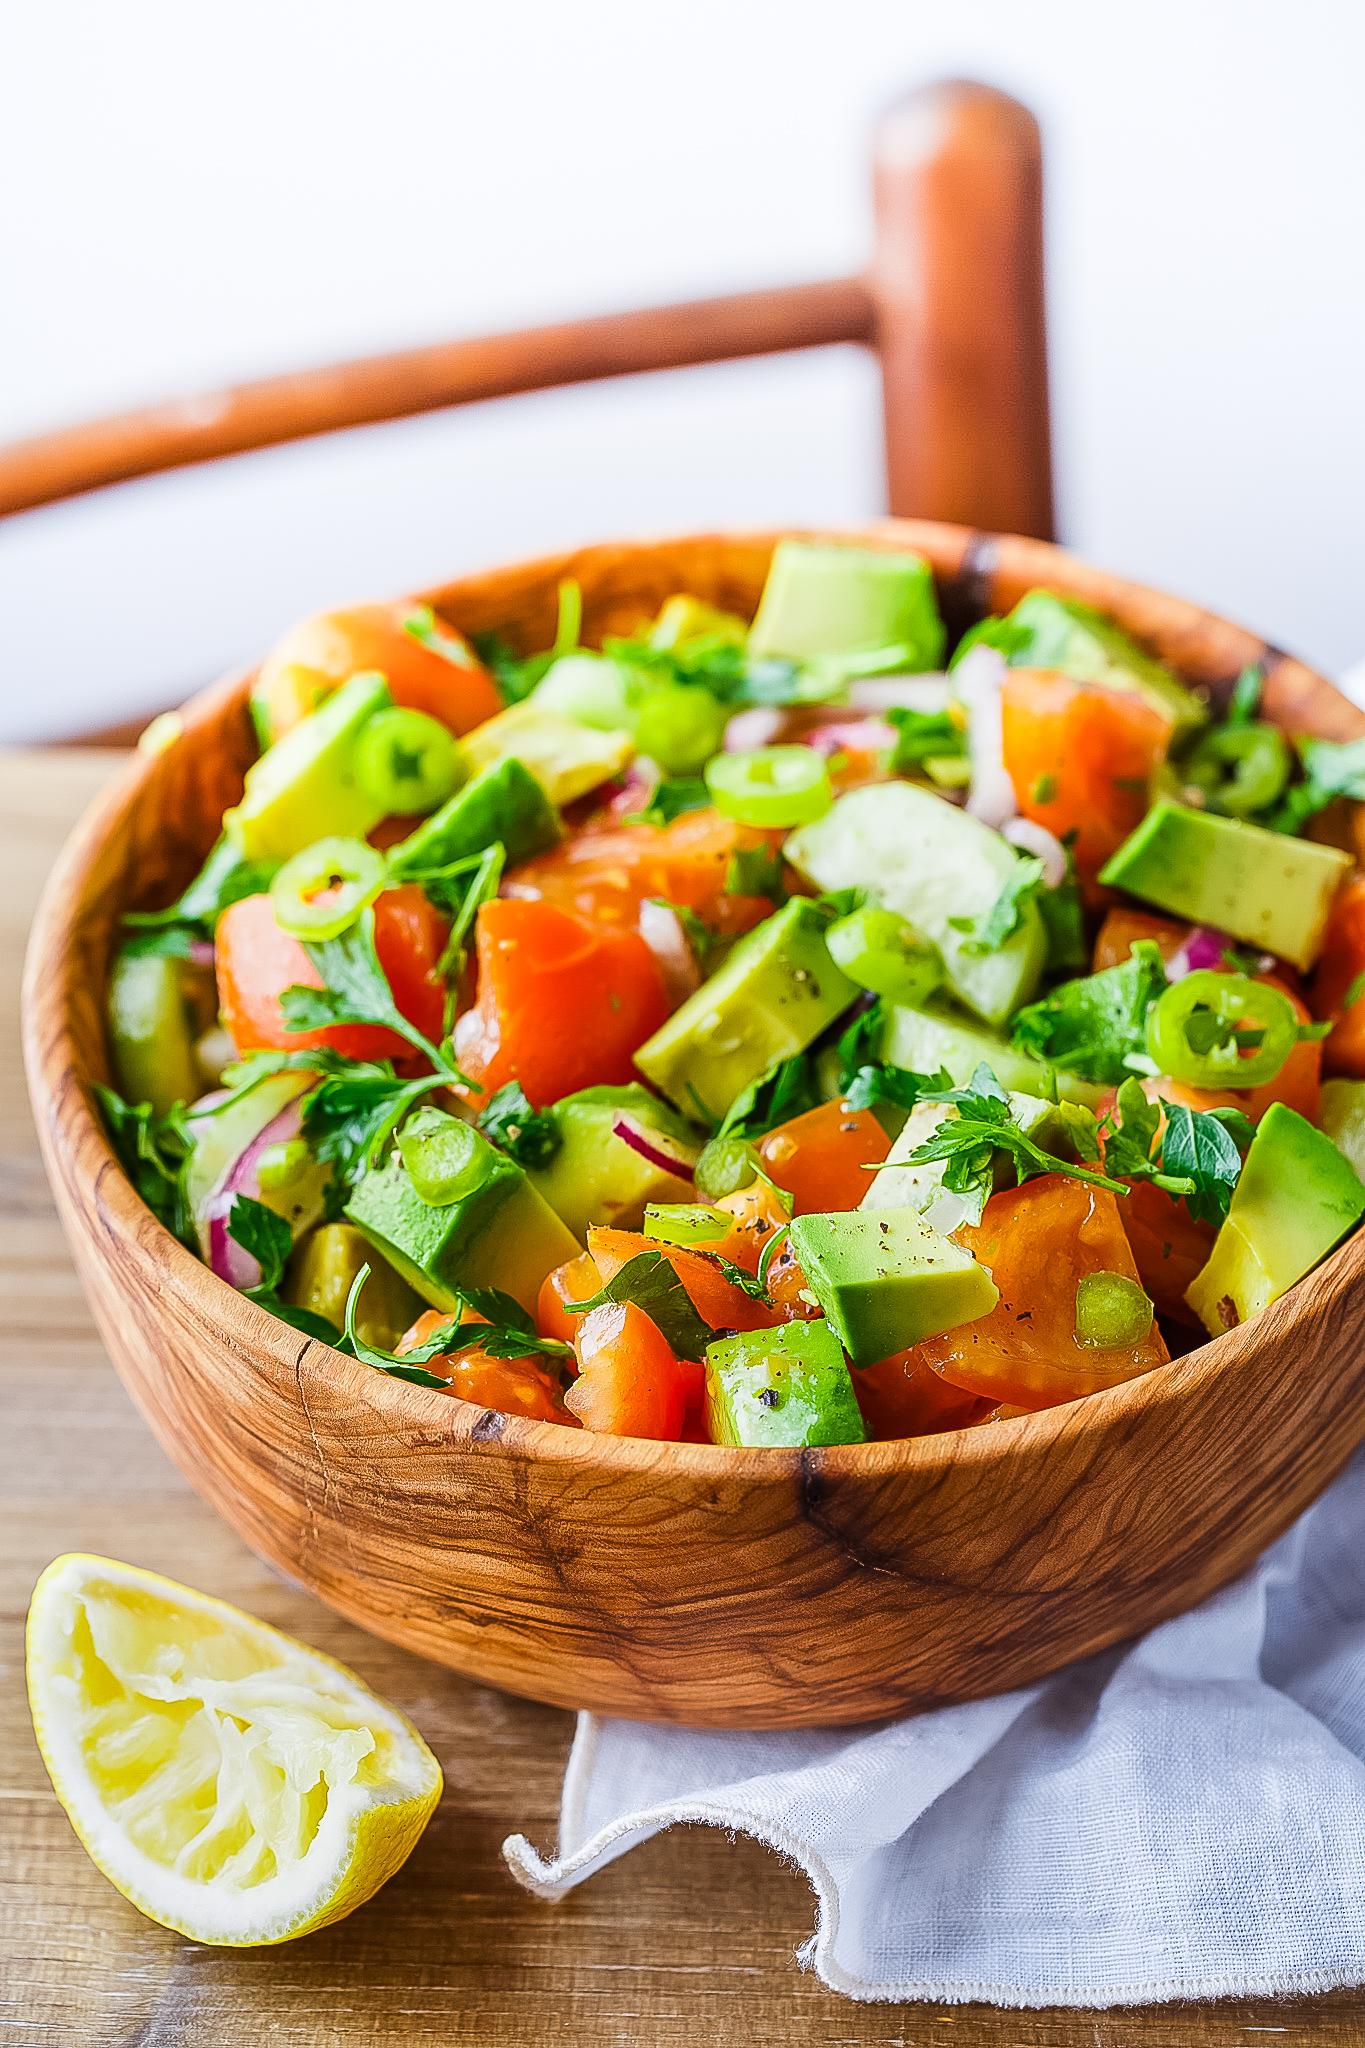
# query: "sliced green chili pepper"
{"points": [[1111, 1311], [885, 953], [687, 1223], [408, 762], [773, 786], [726, 1165], [1221, 1031], [321, 892], [1240, 768]]}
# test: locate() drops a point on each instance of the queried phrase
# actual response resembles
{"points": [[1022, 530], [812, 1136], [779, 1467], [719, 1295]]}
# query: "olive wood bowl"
{"points": [[677, 1582]]}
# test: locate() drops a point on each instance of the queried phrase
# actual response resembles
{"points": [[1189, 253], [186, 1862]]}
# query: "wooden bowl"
{"points": [[672, 1582]]}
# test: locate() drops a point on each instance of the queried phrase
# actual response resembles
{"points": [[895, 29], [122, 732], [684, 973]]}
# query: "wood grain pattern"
{"points": [[688, 1583], [690, 1936]]}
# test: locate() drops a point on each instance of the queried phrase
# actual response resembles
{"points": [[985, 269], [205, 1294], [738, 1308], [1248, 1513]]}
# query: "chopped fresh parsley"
{"points": [[1199, 1157], [527, 1135], [269, 1240], [1095, 1026], [923, 736], [651, 1283], [1331, 769], [502, 1334], [151, 1150], [984, 1127], [670, 799], [756, 871], [786, 1090], [517, 675], [988, 934], [224, 879], [1245, 700]]}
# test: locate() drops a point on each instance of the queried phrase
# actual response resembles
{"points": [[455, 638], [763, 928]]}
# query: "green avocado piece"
{"points": [[1048, 631], [824, 600], [886, 1280], [775, 993], [323, 1271], [502, 1233], [504, 803], [922, 857], [1296, 1198], [596, 1177], [781, 1388], [1265, 888], [592, 689], [1341, 1113], [150, 1039], [305, 788], [938, 1036], [566, 758]]}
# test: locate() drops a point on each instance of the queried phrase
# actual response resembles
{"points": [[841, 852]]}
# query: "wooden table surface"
{"points": [[690, 1937]]}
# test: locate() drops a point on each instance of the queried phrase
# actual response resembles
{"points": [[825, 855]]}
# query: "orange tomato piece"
{"points": [[629, 1382], [821, 1158], [605, 875], [562, 1004], [1169, 1248], [1037, 1241], [717, 1300], [1080, 756], [787, 1286], [758, 1211], [316, 657], [514, 1386], [1343, 959], [576, 1280], [1123, 925], [255, 962], [903, 1396]]}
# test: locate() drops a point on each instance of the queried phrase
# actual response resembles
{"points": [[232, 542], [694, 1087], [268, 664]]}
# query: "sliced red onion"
{"points": [[902, 693], [200, 953], [977, 681], [661, 928], [1036, 839], [651, 1145], [226, 1256], [761, 727], [1204, 948], [635, 792], [859, 736]]}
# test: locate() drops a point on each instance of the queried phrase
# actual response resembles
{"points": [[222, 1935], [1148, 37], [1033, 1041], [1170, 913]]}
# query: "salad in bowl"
{"points": [[776, 1032]]}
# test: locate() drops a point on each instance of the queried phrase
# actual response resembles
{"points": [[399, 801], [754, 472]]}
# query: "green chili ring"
{"points": [[321, 892], [1221, 1031], [779, 787], [1259, 762]]}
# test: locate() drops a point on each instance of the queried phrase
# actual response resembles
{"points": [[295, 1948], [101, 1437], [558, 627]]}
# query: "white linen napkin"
{"points": [[1182, 1817]]}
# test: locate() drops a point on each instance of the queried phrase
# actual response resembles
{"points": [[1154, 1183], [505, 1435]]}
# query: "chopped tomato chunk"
{"points": [[903, 1396], [717, 1300], [256, 962], [1342, 963], [562, 1005], [1080, 756], [1123, 925], [1038, 1241], [821, 1158], [513, 1386], [317, 656], [629, 1383], [576, 1280], [606, 875]]}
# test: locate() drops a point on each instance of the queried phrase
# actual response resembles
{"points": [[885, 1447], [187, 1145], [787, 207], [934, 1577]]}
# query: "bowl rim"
{"points": [[68, 1117]]}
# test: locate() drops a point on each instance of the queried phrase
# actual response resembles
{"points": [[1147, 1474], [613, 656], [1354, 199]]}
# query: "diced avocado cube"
{"points": [[936, 1036], [305, 788], [596, 1177], [1341, 1113], [919, 855], [886, 1280], [323, 1271], [776, 992], [1263, 887], [781, 1388], [501, 1234], [504, 803], [1048, 631], [824, 600], [592, 689], [684, 618], [1295, 1199], [566, 758], [150, 1038]]}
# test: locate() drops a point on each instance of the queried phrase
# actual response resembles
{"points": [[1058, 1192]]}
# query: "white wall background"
{"points": [[205, 193]]}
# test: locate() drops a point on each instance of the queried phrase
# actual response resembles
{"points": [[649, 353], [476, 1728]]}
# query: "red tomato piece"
{"points": [[1343, 960], [605, 875], [1038, 1241], [1080, 756], [629, 1383], [562, 1005], [318, 655], [717, 1300], [514, 1386], [821, 1158], [1169, 1248], [903, 1396], [256, 962], [1123, 925]]}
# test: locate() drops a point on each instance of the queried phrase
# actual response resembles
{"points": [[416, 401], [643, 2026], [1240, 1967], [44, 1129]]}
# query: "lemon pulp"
{"points": [[232, 1783]]}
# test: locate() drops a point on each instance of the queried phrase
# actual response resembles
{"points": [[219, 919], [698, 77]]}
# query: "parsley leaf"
{"points": [[1007, 637], [527, 1135], [1332, 768], [651, 1283], [269, 1240], [151, 1150], [516, 675], [225, 878], [786, 1090], [1006, 914], [1245, 701], [503, 1336], [1063, 917], [900, 1086], [923, 736], [355, 991], [984, 1126], [756, 871], [1206, 1146], [1094, 1025], [860, 1045], [1130, 1133], [722, 665]]}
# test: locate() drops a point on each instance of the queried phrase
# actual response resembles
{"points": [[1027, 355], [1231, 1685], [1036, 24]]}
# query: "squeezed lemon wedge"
{"points": [[231, 1783]]}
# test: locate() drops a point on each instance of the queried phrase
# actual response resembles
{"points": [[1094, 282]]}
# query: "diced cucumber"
{"points": [[149, 1032], [921, 856], [925, 1040]]}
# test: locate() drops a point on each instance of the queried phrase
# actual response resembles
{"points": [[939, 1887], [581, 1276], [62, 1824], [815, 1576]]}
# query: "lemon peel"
{"points": [[232, 1783]]}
